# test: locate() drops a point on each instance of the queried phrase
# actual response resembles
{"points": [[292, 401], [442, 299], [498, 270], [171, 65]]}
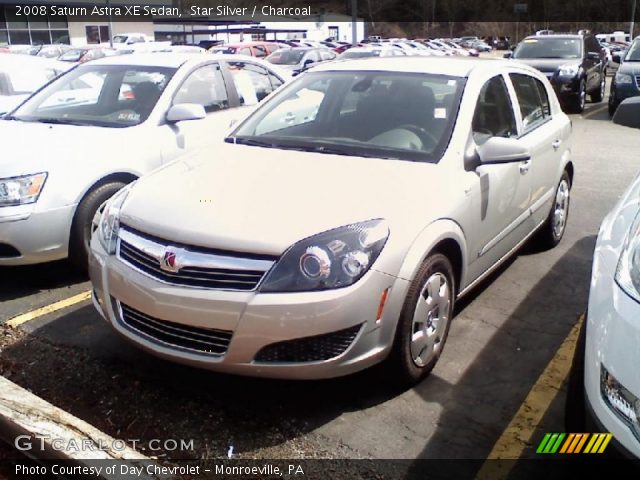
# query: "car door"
{"points": [[205, 86], [593, 62], [542, 134], [501, 193]]}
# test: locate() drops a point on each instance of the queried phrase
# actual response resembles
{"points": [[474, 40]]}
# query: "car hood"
{"points": [[259, 200], [35, 147], [547, 64], [9, 102], [631, 68]]}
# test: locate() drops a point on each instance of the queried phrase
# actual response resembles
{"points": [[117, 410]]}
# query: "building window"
{"points": [[19, 30], [334, 33], [97, 33]]}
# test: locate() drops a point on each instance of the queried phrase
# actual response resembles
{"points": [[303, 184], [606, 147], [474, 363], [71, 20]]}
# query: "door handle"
{"points": [[524, 167], [556, 144]]}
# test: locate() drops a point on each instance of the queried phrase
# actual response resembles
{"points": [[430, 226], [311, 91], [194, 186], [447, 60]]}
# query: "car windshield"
{"points": [[396, 115], [549, 48], [98, 95], [633, 55], [72, 55], [286, 57]]}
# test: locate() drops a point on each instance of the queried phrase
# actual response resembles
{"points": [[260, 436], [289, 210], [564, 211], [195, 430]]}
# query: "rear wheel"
{"points": [[598, 95], [424, 323], [86, 221]]}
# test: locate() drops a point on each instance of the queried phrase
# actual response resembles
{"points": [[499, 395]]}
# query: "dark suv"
{"points": [[574, 64]]}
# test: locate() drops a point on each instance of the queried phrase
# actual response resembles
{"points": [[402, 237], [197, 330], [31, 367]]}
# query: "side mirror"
{"points": [[308, 62], [498, 150], [185, 111], [628, 113], [508, 55]]}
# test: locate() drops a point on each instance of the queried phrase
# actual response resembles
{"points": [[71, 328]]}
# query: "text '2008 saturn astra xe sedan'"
{"points": [[340, 221]]}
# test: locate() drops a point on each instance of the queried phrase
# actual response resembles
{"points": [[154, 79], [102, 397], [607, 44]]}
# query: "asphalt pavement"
{"points": [[503, 337]]}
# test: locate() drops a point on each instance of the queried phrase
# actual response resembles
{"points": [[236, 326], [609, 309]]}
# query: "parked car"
{"points": [[603, 393], [364, 52], [575, 65], [21, 75], [85, 54], [76, 142], [49, 51], [299, 59], [252, 49], [345, 237], [626, 82]]}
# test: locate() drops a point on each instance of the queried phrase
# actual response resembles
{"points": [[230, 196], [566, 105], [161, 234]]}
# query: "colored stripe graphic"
{"points": [[574, 443]]}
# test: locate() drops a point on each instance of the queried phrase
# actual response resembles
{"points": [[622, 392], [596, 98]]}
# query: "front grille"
{"points": [[638, 81], [176, 335], [309, 349], [199, 268]]}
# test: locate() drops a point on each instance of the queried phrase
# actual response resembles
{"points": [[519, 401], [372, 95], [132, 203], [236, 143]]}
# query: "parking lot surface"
{"points": [[502, 339]]}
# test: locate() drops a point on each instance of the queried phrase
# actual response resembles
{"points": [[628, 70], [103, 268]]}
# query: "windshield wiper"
{"points": [[60, 121], [248, 141]]}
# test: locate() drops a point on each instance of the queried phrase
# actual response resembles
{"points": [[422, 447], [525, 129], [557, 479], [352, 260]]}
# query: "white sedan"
{"points": [[73, 144], [21, 75]]}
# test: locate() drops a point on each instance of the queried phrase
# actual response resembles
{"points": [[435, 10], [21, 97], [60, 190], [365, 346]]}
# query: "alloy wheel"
{"points": [[560, 209]]}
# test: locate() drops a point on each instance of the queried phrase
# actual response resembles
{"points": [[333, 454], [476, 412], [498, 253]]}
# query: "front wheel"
{"points": [[579, 101], [554, 227], [424, 322], [85, 222]]}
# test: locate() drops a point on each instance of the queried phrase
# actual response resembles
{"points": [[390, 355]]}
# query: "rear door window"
{"points": [[533, 109]]}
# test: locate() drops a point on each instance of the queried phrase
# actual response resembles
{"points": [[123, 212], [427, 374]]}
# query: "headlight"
{"points": [[628, 270], [333, 259], [21, 190], [569, 70], [110, 220], [623, 78]]}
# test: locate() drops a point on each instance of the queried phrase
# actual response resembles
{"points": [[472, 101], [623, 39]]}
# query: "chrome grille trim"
{"points": [[199, 269], [174, 335], [638, 81]]}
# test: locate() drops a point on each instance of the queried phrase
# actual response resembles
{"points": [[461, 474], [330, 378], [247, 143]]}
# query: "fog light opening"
{"points": [[621, 401]]}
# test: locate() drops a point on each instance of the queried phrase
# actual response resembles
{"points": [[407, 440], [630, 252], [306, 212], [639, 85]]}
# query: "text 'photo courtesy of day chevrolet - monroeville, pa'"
{"points": [[319, 239]]}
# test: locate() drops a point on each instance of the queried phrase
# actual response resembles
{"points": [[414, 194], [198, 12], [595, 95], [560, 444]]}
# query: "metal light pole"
{"points": [[354, 21], [633, 19], [110, 24]]}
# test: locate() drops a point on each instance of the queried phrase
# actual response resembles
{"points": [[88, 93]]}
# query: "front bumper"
{"points": [[564, 86], [613, 338], [35, 236], [254, 320]]}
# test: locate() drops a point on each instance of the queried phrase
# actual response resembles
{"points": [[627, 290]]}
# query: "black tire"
{"points": [[80, 235], [575, 412], [576, 103], [598, 95], [406, 371], [549, 236], [613, 106]]}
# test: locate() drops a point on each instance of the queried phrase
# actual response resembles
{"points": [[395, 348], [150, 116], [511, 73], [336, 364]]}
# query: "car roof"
{"points": [[174, 59], [16, 60], [556, 35], [455, 67]]}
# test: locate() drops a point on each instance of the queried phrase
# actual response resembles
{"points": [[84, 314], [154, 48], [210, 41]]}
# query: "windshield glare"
{"points": [[286, 57], [549, 48], [633, 55], [379, 114], [108, 96]]}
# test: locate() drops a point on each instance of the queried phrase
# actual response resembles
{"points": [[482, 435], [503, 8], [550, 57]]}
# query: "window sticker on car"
{"points": [[129, 117], [452, 83], [440, 113]]}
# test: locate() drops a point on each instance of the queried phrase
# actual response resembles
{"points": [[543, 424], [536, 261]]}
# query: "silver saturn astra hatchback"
{"points": [[337, 225]]}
